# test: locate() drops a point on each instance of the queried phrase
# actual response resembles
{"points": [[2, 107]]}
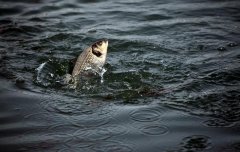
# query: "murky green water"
{"points": [[172, 80]]}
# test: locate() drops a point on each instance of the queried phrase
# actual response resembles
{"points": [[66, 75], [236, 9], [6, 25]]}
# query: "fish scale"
{"points": [[88, 59]]}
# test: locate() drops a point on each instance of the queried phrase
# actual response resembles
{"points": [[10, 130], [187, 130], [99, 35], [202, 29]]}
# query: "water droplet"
{"points": [[102, 73], [221, 49], [232, 44]]}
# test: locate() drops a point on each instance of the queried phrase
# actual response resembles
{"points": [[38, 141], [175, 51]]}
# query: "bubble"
{"points": [[221, 49], [232, 44]]}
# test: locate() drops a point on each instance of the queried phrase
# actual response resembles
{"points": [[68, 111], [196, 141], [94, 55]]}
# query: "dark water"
{"points": [[172, 82]]}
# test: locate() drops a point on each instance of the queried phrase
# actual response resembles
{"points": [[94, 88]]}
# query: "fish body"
{"points": [[93, 58]]}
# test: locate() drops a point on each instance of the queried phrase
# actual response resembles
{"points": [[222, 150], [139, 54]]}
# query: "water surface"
{"points": [[172, 80]]}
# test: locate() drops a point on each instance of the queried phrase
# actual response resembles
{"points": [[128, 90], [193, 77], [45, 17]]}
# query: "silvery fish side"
{"points": [[92, 58]]}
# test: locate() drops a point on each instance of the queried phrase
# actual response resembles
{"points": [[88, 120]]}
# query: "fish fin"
{"points": [[71, 65]]}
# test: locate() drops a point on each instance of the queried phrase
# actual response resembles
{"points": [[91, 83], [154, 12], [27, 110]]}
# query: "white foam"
{"points": [[39, 70]]}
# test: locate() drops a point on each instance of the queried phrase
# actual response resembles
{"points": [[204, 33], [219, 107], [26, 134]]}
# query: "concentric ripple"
{"points": [[99, 134], [154, 130], [217, 123], [182, 56], [111, 146], [145, 115]]}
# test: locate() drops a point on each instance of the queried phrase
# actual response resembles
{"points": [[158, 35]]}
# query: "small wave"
{"points": [[10, 11]]}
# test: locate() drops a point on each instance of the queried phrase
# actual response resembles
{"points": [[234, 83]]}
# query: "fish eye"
{"points": [[99, 43]]}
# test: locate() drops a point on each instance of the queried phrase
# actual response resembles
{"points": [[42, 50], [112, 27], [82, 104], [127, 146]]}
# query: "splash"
{"points": [[98, 70], [49, 73], [102, 73], [54, 74], [39, 69], [39, 74]]}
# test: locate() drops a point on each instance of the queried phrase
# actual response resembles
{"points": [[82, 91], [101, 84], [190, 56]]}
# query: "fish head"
{"points": [[99, 48]]}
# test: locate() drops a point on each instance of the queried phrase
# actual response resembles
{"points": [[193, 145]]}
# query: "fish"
{"points": [[93, 57], [87, 64]]}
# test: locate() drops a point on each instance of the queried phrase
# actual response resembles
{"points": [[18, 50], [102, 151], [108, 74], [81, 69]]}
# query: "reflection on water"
{"points": [[171, 80]]}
